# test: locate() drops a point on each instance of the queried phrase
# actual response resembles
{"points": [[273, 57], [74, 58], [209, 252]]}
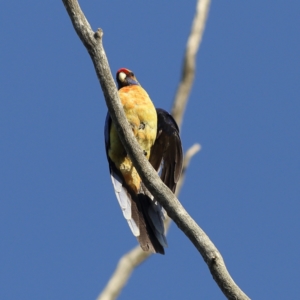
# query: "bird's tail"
{"points": [[149, 215]]}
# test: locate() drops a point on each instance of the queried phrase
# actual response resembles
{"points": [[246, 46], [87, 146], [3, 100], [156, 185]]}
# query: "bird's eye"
{"points": [[131, 74]]}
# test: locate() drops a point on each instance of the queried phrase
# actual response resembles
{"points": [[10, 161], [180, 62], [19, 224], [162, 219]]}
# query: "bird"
{"points": [[158, 135]]}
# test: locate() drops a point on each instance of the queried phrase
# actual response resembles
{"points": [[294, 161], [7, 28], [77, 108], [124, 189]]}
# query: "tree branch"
{"points": [[189, 62], [210, 254], [125, 267]]}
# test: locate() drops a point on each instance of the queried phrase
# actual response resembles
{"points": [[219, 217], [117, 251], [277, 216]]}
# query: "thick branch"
{"points": [[189, 63], [210, 254]]}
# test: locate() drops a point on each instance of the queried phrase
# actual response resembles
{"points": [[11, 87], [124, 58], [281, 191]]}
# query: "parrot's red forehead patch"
{"points": [[126, 71]]}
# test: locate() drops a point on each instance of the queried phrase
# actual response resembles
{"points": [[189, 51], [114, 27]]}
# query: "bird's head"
{"points": [[125, 77]]}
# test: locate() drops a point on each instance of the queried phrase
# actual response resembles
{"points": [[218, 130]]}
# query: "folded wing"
{"points": [[166, 154]]}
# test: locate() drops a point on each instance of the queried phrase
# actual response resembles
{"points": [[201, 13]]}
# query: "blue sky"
{"points": [[61, 229]]}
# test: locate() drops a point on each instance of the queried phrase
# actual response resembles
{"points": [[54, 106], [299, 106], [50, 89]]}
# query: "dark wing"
{"points": [[166, 153]]}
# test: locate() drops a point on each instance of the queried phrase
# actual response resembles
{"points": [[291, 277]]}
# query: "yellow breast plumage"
{"points": [[142, 117]]}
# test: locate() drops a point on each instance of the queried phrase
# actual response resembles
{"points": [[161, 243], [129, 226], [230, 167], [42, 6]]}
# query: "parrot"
{"points": [[158, 135]]}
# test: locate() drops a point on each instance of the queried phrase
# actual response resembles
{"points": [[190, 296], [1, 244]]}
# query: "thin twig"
{"points": [[188, 156], [210, 254], [189, 62], [124, 269]]}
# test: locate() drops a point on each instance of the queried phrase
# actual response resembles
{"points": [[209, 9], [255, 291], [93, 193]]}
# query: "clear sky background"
{"points": [[61, 228]]}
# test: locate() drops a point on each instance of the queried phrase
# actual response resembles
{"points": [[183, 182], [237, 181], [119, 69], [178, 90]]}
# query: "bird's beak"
{"points": [[132, 81]]}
